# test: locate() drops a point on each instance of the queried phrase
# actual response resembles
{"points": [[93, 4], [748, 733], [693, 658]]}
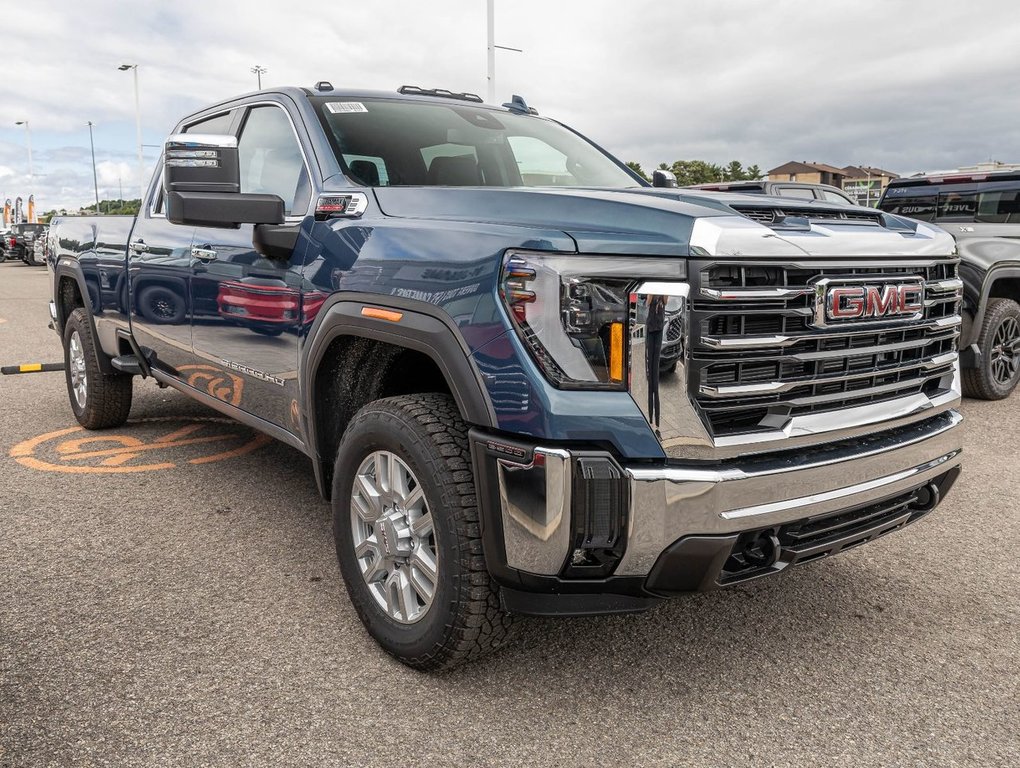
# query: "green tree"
{"points": [[636, 167], [690, 172], [734, 171]]}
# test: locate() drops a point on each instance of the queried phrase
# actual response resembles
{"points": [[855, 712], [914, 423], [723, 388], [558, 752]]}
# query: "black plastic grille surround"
{"points": [[811, 369]]}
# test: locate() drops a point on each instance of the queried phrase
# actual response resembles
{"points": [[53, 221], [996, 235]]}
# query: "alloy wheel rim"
{"points": [[1005, 357], [79, 376], [394, 537]]}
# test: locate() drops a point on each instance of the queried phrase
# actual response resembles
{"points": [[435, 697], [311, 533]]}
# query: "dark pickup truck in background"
{"points": [[528, 382], [21, 243], [982, 212]]}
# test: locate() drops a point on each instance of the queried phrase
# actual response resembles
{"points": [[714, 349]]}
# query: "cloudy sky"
{"points": [[899, 84]]}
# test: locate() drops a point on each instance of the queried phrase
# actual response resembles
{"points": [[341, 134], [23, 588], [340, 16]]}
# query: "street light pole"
{"points": [[28, 140], [95, 178], [492, 51], [138, 127], [258, 70], [491, 25]]}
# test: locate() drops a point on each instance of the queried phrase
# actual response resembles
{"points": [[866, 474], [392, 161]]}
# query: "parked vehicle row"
{"points": [[26, 242]]}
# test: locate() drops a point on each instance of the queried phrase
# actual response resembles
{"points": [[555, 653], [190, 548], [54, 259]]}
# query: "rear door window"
{"points": [[801, 193], [957, 203], [999, 206]]}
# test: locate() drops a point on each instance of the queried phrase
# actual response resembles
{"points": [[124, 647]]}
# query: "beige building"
{"points": [[864, 184]]}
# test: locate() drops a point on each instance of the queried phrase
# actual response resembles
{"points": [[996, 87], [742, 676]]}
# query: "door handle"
{"points": [[204, 254], [138, 246]]}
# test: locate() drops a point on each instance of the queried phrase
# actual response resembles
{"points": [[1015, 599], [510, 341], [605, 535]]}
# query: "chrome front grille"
{"points": [[758, 358]]}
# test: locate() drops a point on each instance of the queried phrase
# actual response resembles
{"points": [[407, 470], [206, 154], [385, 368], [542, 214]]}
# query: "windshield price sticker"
{"points": [[343, 107]]}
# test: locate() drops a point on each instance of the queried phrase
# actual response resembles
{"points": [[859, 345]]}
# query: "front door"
{"points": [[247, 308], [159, 270]]}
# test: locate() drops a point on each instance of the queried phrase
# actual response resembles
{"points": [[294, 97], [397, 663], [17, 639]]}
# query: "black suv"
{"points": [[982, 211]]}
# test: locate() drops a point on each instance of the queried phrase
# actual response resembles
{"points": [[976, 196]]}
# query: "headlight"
{"points": [[573, 312]]}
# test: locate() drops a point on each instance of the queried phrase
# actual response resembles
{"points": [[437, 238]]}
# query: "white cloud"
{"points": [[110, 174]]}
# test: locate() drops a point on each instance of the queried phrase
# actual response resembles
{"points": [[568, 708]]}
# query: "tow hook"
{"points": [[11, 370], [928, 497], [763, 550]]}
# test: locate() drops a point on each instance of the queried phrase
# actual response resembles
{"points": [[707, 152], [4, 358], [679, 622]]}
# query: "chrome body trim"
{"points": [[535, 506]]}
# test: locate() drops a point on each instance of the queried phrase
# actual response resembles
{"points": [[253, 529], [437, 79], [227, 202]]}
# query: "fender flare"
{"points": [[990, 278], [70, 268], [423, 327]]}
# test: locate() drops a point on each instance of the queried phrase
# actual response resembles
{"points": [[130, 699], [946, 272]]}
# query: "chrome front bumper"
{"points": [[537, 492]]}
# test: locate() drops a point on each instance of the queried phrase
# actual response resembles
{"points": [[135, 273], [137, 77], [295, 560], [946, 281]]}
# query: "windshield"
{"points": [[405, 143]]}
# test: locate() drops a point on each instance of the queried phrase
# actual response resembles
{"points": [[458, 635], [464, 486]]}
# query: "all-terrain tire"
{"points": [[996, 377], [99, 400], [465, 619]]}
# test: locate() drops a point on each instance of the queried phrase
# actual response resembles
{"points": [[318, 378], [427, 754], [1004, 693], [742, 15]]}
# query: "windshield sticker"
{"points": [[342, 107]]}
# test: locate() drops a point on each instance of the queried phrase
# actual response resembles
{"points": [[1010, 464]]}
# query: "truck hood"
{"points": [[669, 222]]}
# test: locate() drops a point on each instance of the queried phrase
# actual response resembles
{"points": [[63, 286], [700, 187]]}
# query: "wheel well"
{"points": [[70, 298], [355, 371], [1005, 288]]}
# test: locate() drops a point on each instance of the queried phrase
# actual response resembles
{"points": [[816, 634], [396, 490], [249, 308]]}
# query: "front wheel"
{"points": [[999, 342], [405, 521], [99, 400]]}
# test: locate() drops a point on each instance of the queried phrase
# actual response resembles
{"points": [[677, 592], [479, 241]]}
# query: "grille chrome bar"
{"points": [[755, 294], [858, 329], [769, 387]]}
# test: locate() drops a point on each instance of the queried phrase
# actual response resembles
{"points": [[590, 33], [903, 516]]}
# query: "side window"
{"points": [[1001, 206], [802, 193], [957, 206], [220, 124], [270, 158], [833, 197], [909, 202]]}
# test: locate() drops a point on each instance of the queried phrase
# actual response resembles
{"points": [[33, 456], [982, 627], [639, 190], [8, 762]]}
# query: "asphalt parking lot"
{"points": [[190, 613]]}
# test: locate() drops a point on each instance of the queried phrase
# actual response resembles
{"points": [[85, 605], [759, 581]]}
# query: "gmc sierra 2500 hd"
{"points": [[460, 313]]}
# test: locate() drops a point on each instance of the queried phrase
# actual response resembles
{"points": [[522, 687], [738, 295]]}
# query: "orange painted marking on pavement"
{"points": [[26, 447], [127, 448], [148, 447], [33, 463]]}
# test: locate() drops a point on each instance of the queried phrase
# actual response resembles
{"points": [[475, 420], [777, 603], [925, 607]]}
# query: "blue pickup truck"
{"points": [[528, 382]]}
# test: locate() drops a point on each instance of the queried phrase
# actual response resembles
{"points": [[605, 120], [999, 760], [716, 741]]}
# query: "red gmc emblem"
{"points": [[848, 301]]}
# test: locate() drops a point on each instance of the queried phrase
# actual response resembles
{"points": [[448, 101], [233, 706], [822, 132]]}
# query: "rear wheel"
{"points": [[405, 520], [99, 400], [999, 342]]}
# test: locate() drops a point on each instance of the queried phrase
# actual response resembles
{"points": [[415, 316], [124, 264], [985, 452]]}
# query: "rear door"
{"points": [[249, 307]]}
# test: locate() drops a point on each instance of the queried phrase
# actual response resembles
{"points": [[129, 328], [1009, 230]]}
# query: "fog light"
{"points": [[598, 518]]}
